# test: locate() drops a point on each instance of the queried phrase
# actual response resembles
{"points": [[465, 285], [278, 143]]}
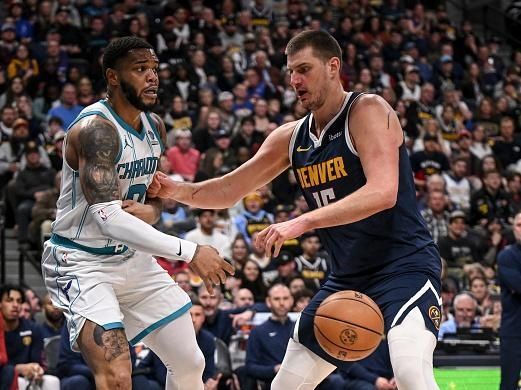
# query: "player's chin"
{"points": [[148, 103]]}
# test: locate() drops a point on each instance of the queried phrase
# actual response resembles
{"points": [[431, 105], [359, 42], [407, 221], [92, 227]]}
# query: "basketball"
{"points": [[348, 325]]}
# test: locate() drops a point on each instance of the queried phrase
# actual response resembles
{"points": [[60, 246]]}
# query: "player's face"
{"points": [[10, 305], [139, 80], [309, 78]]}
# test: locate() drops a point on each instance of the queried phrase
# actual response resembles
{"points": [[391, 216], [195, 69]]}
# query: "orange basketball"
{"points": [[349, 325]]}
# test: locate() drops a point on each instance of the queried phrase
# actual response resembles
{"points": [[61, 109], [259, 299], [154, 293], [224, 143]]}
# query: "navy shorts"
{"points": [[397, 289]]}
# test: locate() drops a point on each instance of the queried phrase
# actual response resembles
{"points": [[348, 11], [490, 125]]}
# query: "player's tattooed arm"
{"points": [[113, 342], [98, 149]]}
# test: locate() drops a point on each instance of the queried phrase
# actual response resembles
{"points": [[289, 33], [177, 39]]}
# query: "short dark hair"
{"points": [[7, 288], [118, 49], [323, 44]]}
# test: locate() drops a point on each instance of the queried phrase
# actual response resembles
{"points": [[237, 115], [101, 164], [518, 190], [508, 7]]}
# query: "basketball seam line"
{"points": [[340, 346], [357, 300], [350, 323]]}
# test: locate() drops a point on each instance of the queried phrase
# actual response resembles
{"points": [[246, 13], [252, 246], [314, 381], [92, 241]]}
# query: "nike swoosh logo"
{"points": [[179, 253], [301, 149]]}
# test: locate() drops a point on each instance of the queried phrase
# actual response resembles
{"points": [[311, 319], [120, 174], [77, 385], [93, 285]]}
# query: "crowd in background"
{"points": [[223, 89]]}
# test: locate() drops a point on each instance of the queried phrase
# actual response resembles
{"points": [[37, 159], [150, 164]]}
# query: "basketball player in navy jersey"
{"points": [[349, 157], [98, 265]]}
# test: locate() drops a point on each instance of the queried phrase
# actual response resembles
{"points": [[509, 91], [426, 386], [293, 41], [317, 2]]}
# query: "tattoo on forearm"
{"points": [[113, 342], [388, 117], [99, 145]]}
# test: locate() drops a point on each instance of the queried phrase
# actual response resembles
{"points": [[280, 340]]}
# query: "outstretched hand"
{"points": [[273, 236], [158, 189], [211, 267]]}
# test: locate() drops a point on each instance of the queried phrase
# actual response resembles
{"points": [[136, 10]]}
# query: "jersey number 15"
{"points": [[322, 198]]}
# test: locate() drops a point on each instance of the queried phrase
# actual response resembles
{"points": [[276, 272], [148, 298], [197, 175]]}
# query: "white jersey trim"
{"points": [[349, 141]]}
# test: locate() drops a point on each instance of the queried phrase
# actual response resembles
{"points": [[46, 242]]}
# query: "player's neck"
{"points": [[329, 109], [125, 110]]}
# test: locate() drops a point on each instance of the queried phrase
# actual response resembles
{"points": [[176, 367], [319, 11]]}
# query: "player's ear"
{"points": [[334, 66], [112, 77]]}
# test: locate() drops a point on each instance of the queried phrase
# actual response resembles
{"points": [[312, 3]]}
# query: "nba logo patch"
{"points": [[435, 316], [152, 137], [103, 215]]}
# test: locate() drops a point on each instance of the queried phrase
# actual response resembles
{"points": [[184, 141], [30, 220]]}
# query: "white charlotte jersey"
{"points": [[136, 163]]}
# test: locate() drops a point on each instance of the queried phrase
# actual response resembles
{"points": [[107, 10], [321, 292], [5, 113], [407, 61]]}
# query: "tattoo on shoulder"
{"points": [[113, 342], [99, 146]]}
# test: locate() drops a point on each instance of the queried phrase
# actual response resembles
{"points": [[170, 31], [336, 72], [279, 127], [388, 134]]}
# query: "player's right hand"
{"points": [[211, 267]]}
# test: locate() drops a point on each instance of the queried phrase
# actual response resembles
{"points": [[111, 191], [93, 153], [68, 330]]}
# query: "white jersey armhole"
{"points": [[349, 141], [292, 140]]}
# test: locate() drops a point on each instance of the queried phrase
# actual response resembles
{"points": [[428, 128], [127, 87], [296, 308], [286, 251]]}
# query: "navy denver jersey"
{"points": [[328, 169]]}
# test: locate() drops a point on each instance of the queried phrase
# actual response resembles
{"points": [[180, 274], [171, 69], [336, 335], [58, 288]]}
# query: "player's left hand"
{"points": [[275, 235], [144, 212]]}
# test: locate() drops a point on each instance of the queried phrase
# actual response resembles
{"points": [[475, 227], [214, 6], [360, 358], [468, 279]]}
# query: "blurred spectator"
{"points": [[436, 215], [56, 153], [240, 252], [409, 89], [465, 315], [222, 139], [428, 161], [205, 339], [43, 214], [68, 109], [24, 66], [456, 248], [509, 276], [183, 157], [72, 38], [285, 265], [457, 185], [206, 234], [15, 89], [86, 95], [508, 147], [218, 321], [203, 137], [72, 369], [175, 219], [251, 278], [210, 165], [178, 118], [6, 122], [254, 218], [24, 342], [53, 319], [243, 298], [480, 147], [33, 300], [311, 264], [267, 342], [30, 185], [490, 202]]}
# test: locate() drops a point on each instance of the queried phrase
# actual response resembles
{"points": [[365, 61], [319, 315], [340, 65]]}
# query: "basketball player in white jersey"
{"points": [[98, 264]]}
